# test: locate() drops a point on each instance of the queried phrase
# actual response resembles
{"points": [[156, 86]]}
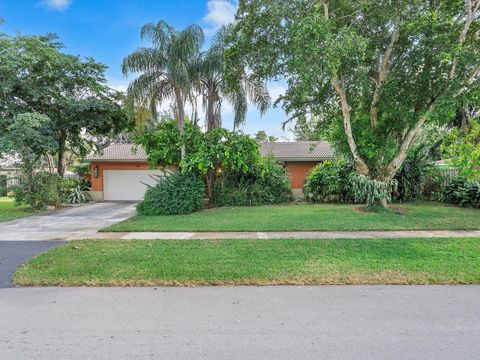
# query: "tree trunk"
{"points": [[210, 114], [465, 119], [209, 179], [51, 163], [61, 155], [181, 121]]}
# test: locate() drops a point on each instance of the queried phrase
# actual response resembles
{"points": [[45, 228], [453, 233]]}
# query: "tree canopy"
{"points": [[374, 71], [167, 68], [214, 88], [35, 76]]}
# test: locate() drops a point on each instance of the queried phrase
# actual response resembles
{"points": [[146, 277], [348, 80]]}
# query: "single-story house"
{"points": [[121, 173]]}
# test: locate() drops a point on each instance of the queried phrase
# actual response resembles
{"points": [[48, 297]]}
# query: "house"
{"points": [[121, 172], [8, 172], [298, 158]]}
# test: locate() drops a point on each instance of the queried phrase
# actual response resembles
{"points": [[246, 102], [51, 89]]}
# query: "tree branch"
{"points": [[360, 164], [325, 8], [382, 74], [409, 138], [470, 80], [471, 10]]}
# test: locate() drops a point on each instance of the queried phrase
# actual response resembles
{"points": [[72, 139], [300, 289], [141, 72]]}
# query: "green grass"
{"points": [[256, 262], [9, 212], [418, 216]]}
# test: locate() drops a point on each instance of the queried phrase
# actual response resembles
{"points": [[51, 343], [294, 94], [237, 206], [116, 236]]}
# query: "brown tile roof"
{"points": [[298, 150], [120, 152], [283, 151]]}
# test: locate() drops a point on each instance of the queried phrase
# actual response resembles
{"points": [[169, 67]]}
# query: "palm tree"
{"points": [[167, 68], [214, 90]]}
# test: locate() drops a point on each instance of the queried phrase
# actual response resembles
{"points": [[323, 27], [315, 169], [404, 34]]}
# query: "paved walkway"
{"points": [[291, 235]]}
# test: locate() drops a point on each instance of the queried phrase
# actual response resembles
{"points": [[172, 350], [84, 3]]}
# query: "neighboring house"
{"points": [[121, 173], [8, 170]]}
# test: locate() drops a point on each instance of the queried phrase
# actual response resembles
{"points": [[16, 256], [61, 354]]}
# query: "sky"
{"points": [[108, 30]]}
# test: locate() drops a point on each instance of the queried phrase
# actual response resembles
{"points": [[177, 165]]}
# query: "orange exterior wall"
{"points": [[97, 183], [297, 171]]}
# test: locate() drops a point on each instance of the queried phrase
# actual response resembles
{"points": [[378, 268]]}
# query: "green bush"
{"points": [[175, 193], [460, 191], [268, 184], [40, 190], [68, 184], [328, 182], [83, 171], [371, 191], [412, 176], [332, 181], [435, 181], [78, 195]]}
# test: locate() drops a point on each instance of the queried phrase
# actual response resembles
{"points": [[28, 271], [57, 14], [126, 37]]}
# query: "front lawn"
{"points": [[9, 212], [256, 262], [418, 216]]}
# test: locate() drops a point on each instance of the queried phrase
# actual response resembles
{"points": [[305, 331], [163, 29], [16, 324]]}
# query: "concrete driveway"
{"points": [[67, 224], [284, 322]]}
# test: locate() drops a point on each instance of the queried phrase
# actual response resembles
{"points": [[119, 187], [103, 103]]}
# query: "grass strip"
{"points": [[255, 262]]}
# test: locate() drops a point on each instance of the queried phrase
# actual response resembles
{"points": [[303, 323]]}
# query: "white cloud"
{"points": [[276, 91], [118, 84], [57, 4], [220, 12]]}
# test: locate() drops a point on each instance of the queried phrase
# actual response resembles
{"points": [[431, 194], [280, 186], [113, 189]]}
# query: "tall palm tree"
{"points": [[214, 90], [168, 68]]}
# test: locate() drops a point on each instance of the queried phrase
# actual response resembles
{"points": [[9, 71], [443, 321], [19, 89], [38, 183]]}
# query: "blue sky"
{"points": [[108, 30]]}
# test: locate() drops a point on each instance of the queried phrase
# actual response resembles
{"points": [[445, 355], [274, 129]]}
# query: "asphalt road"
{"points": [[15, 253], [323, 322]]}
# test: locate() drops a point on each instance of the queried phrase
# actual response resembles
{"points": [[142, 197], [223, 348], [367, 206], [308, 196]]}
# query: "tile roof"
{"points": [[298, 150], [284, 151], [120, 152]]}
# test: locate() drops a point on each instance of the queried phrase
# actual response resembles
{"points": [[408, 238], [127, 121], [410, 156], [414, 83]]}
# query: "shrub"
{"points": [[174, 193], [38, 190], [267, 185], [463, 150], [411, 178], [371, 191], [78, 195], [328, 182], [435, 181], [461, 191], [83, 171]]}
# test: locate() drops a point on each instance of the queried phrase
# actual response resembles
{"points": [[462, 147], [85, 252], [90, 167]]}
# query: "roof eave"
{"points": [[297, 159], [115, 160]]}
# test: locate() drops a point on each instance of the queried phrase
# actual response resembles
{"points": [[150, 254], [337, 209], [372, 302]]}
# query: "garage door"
{"points": [[127, 184]]}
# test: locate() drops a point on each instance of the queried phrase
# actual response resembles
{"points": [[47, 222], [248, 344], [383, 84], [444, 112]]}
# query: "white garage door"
{"points": [[127, 184]]}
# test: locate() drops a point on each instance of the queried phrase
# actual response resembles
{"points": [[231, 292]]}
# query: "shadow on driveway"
{"points": [[15, 253]]}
